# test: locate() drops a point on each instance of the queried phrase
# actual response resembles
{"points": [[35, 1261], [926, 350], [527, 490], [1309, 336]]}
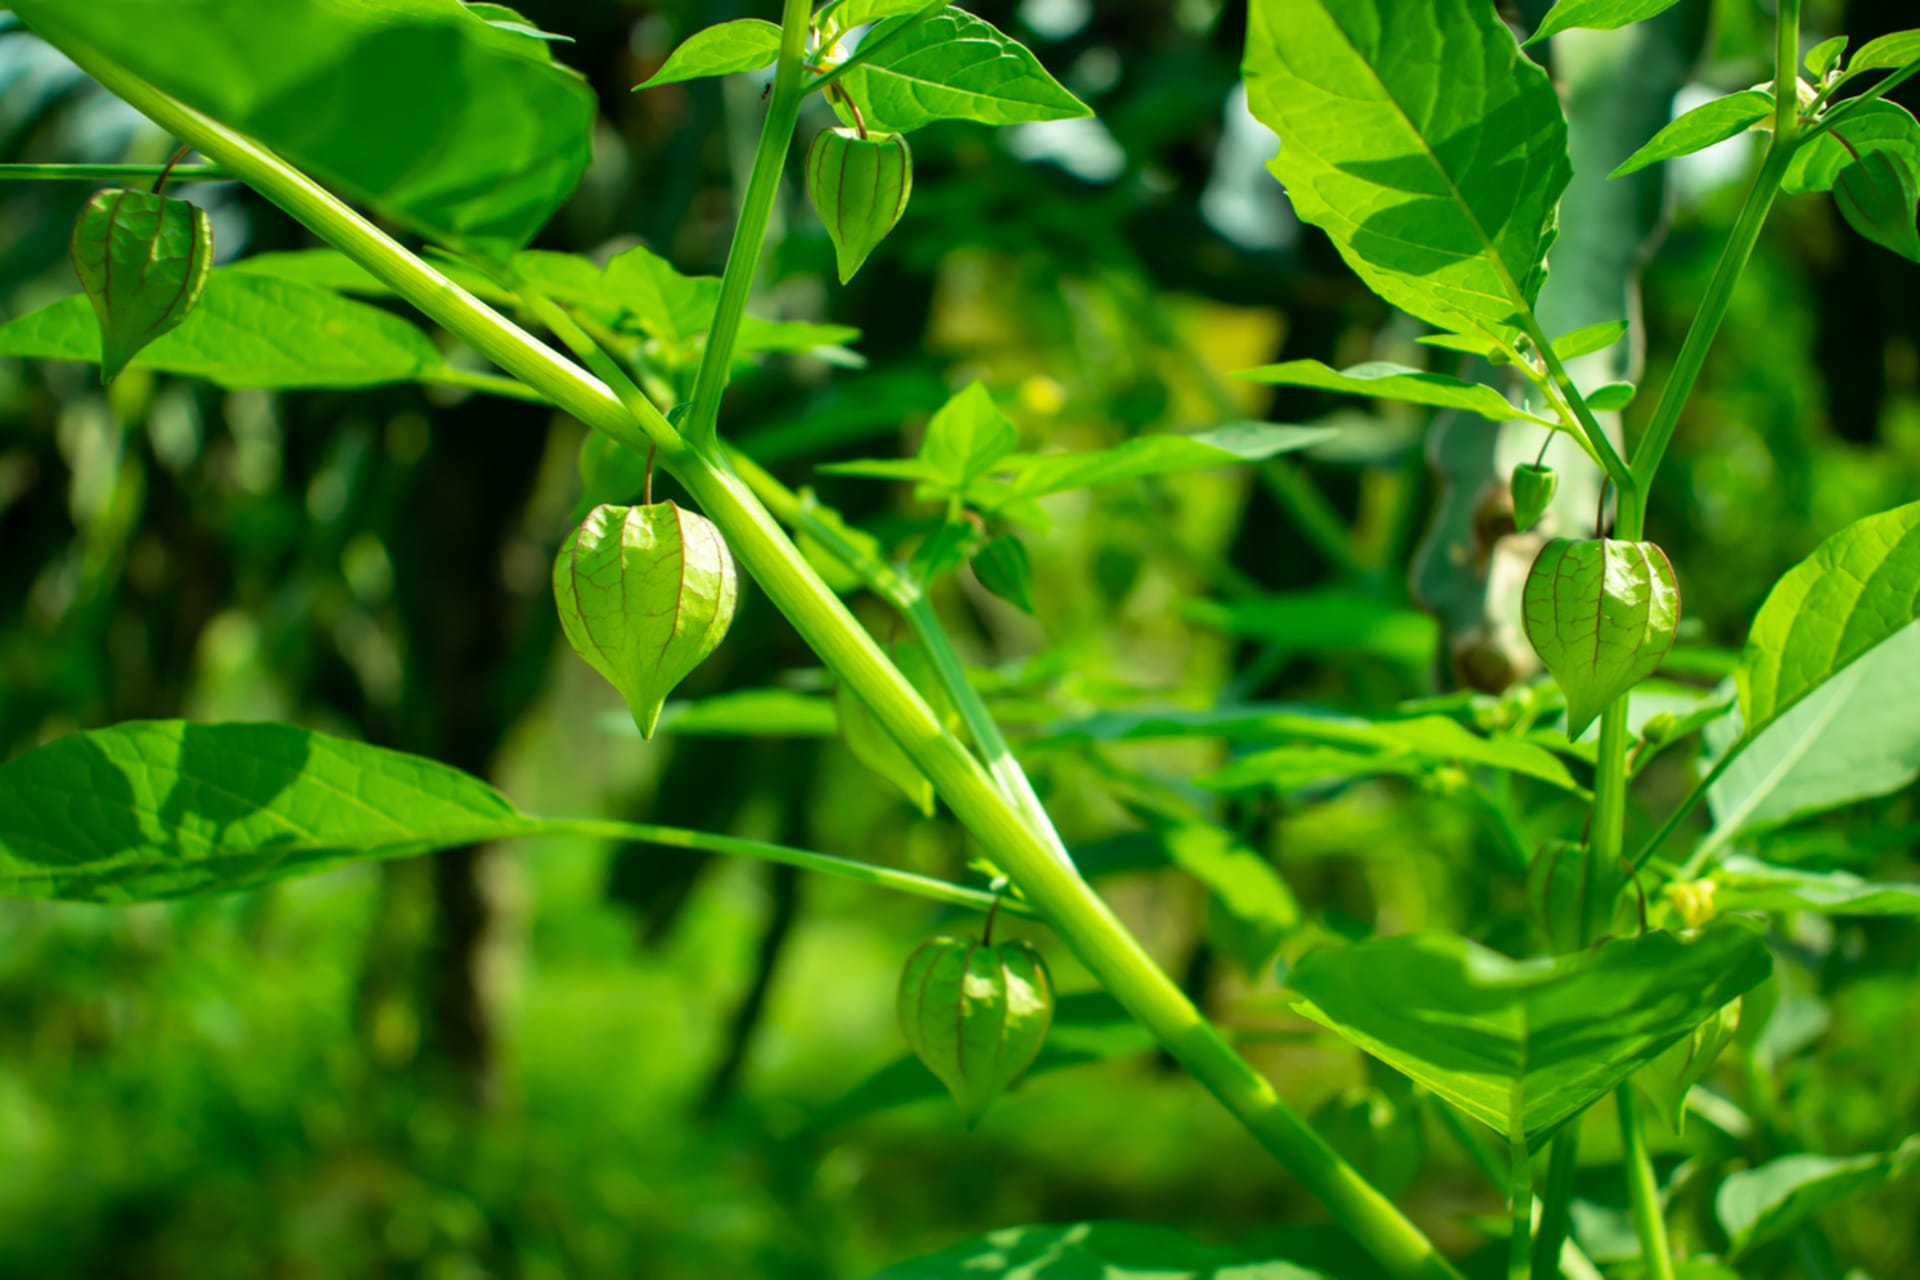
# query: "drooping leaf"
{"points": [[1004, 569], [143, 260], [1870, 127], [1747, 884], [1760, 1204], [953, 66], [1855, 736], [466, 132], [1086, 1250], [164, 809], [1704, 126], [1598, 15], [1550, 1037], [745, 44], [1855, 592], [250, 331], [1035, 474], [1879, 196], [1385, 381], [1601, 613], [1437, 178]]}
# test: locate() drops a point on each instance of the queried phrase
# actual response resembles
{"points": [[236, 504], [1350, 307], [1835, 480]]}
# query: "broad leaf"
{"points": [[1747, 884], [251, 331], [1437, 178], [1854, 737], [953, 66], [1385, 381], [965, 438], [1704, 126], [676, 309], [1550, 1037], [1086, 1250], [1599, 15], [1887, 53], [745, 44], [1588, 339], [1254, 908], [163, 809], [1855, 592], [1390, 746], [1036, 474], [1825, 56], [1870, 127], [466, 132], [857, 13], [1760, 1204], [1879, 197], [1667, 1079]]}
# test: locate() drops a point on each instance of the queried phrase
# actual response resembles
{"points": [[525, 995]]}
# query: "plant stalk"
{"points": [[1555, 1203], [1081, 918], [112, 172], [1643, 1191]]}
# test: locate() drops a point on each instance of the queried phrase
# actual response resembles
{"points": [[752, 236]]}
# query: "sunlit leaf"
{"points": [[1599, 15], [1707, 124], [1036, 474], [1760, 1204], [1385, 381], [1747, 884], [745, 44], [953, 66]]}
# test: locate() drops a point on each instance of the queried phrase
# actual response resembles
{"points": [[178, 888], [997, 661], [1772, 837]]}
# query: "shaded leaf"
{"points": [[1326, 622], [1389, 746], [1251, 901], [1385, 381], [1666, 1080], [1611, 398], [965, 438], [1747, 884], [1549, 1036], [1004, 569], [1090, 1250], [1760, 1204]]}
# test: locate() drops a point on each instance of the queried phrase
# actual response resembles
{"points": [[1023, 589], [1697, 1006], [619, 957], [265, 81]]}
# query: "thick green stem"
{"points": [[1080, 917], [750, 233], [1643, 1192], [1556, 1203]]}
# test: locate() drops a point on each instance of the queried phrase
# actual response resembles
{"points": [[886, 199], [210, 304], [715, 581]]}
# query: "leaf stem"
{"points": [[1600, 444], [1551, 1234], [750, 233], [1078, 915], [1643, 1192]]}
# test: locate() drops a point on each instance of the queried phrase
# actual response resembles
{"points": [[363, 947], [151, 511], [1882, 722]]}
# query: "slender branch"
{"points": [[807, 860], [750, 233], [1643, 1192], [1078, 915], [1681, 810], [1599, 444], [112, 172]]}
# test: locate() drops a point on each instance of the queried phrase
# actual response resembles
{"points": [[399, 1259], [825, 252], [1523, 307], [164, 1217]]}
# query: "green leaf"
{"points": [[1588, 339], [745, 44], [858, 13], [1327, 622], [1760, 1204], [1879, 125], [667, 305], [1887, 53], [1601, 613], [1551, 1037], [1392, 746], [503, 18], [1825, 56], [953, 66], [465, 132], [143, 260], [1003, 568], [1085, 1250], [1254, 908], [163, 809], [1879, 196], [1611, 398], [1036, 474], [1707, 124], [250, 331], [965, 438], [1853, 594], [1856, 736], [1597, 15], [1386, 148], [1385, 381], [1666, 1080], [1747, 884], [750, 713]]}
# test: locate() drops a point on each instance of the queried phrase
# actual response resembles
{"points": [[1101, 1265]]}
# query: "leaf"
{"points": [[1085, 1250], [1257, 907], [250, 331], [1385, 381], [1859, 589], [1704, 126], [745, 44], [858, 13], [953, 66], [1588, 339], [1666, 1080], [1598, 15], [1869, 127], [667, 305], [1437, 178], [331, 269], [751, 713], [1747, 884], [965, 438], [1887, 53], [143, 260], [1327, 622], [1760, 1204], [1003, 568], [467, 133], [1611, 398], [505, 19], [1551, 1036], [164, 809], [1601, 613], [1036, 474], [1879, 196], [1825, 56], [1390, 746], [1854, 737]]}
